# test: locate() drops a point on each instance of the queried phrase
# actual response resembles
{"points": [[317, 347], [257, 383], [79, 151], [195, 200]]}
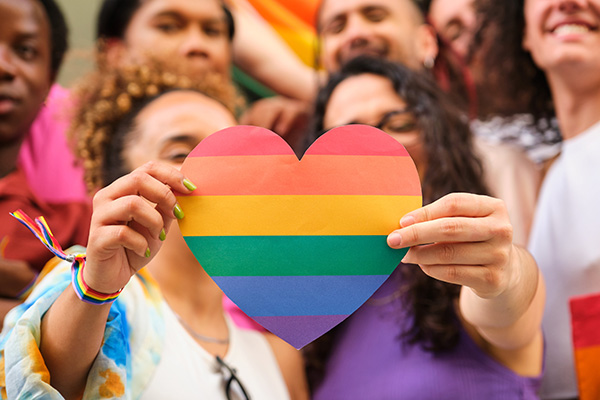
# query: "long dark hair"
{"points": [[513, 81], [446, 137], [451, 167]]}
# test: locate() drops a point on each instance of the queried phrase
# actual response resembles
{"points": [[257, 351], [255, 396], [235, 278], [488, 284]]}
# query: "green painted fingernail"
{"points": [[148, 252], [163, 235], [178, 212], [189, 185]]}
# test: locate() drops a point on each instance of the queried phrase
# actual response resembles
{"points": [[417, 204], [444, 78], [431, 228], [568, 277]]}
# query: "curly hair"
{"points": [[109, 103], [451, 167], [514, 83]]}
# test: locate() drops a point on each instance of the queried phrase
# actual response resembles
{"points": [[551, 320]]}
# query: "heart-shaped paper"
{"points": [[298, 245]]}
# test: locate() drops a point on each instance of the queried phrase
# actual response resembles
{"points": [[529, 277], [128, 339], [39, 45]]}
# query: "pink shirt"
{"points": [[45, 156]]}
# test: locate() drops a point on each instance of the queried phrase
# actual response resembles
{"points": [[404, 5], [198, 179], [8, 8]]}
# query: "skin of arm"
{"points": [[466, 239], [291, 364], [124, 226], [260, 52]]}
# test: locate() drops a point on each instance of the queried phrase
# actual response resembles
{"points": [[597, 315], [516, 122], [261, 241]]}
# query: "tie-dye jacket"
{"points": [[23, 373]]}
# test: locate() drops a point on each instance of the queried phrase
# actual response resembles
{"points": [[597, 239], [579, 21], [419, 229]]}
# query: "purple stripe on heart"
{"points": [[302, 329]]}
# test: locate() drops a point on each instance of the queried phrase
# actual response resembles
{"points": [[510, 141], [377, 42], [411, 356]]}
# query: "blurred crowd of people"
{"points": [[497, 103]]}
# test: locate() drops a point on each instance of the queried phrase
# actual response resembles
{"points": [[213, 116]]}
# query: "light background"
{"points": [[81, 19]]}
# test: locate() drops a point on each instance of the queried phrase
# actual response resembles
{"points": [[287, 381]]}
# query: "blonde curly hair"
{"points": [[108, 103]]}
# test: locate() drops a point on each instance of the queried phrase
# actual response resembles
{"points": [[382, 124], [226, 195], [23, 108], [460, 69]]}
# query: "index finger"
{"points": [[153, 181], [452, 205], [169, 176], [163, 173]]}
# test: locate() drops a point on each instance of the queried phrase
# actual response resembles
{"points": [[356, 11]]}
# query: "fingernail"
{"points": [[163, 235], [147, 252], [394, 239], [178, 212], [189, 185], [407, 220]]}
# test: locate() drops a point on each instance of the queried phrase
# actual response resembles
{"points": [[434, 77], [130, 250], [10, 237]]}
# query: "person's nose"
{"points": [[358, 30], [571, 6], [195, 43], [7, 66]]}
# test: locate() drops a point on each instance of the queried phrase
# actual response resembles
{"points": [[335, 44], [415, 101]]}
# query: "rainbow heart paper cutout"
{"points": [[298, 245]]}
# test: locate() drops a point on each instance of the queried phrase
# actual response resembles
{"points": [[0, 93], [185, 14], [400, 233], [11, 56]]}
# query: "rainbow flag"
{"points": [[294, 21], [585, 324], [298, 246]]}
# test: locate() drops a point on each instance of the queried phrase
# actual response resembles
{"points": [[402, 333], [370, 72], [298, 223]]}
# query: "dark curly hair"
{"points": [[514, 84], [451, 167]]}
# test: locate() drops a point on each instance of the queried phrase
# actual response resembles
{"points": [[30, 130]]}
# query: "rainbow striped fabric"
{"points": [[585, 326], [294, 21], [298, 246]]}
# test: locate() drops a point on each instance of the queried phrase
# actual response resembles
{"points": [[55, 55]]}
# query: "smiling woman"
{"points": [[433, 329], [554, 62]]}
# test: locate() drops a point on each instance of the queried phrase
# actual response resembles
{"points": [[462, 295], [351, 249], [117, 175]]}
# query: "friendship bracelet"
{"points": [[83, 291], [42, 231]]}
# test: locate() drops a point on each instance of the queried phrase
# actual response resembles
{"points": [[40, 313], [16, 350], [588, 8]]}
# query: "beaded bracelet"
{"points": [[83, 291]]}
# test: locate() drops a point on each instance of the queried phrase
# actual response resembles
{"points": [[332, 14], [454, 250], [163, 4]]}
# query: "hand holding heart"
{"points": [[462, 238], [466, 239], [330, 255], [126, 228]]}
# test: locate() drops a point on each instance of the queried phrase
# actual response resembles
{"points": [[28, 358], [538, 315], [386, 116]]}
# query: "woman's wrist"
{"points": [[85, 292]]}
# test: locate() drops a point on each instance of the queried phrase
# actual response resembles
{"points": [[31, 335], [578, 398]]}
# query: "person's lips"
{"points": [[7, 103]]}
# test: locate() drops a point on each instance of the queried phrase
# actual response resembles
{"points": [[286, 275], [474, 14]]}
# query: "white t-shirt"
{"points": [[188, 371], [565, 241]]}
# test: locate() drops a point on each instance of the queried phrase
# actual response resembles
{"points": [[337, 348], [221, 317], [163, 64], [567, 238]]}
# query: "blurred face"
{"points": [[25, 70], [172, 125], [371, 100], [390, 29], [455, 22], [192, 34], [563, 33]]}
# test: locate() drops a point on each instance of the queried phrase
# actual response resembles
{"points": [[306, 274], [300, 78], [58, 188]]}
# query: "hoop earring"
{"points": [[429, 62]]}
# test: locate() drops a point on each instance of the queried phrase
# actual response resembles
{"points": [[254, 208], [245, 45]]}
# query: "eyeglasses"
{"points": [[401, 124], [229, 391], [398, 121]]}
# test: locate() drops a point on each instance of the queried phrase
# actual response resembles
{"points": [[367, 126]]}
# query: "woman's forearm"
{"points": [[512, 319], [72, 334]]}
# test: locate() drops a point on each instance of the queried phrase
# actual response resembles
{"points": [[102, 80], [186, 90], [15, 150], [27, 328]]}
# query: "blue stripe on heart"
{"points": [[299, 295]]}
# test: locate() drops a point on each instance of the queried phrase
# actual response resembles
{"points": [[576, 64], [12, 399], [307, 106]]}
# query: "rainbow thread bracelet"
{"points": [[83, 291], [39, 227]]}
